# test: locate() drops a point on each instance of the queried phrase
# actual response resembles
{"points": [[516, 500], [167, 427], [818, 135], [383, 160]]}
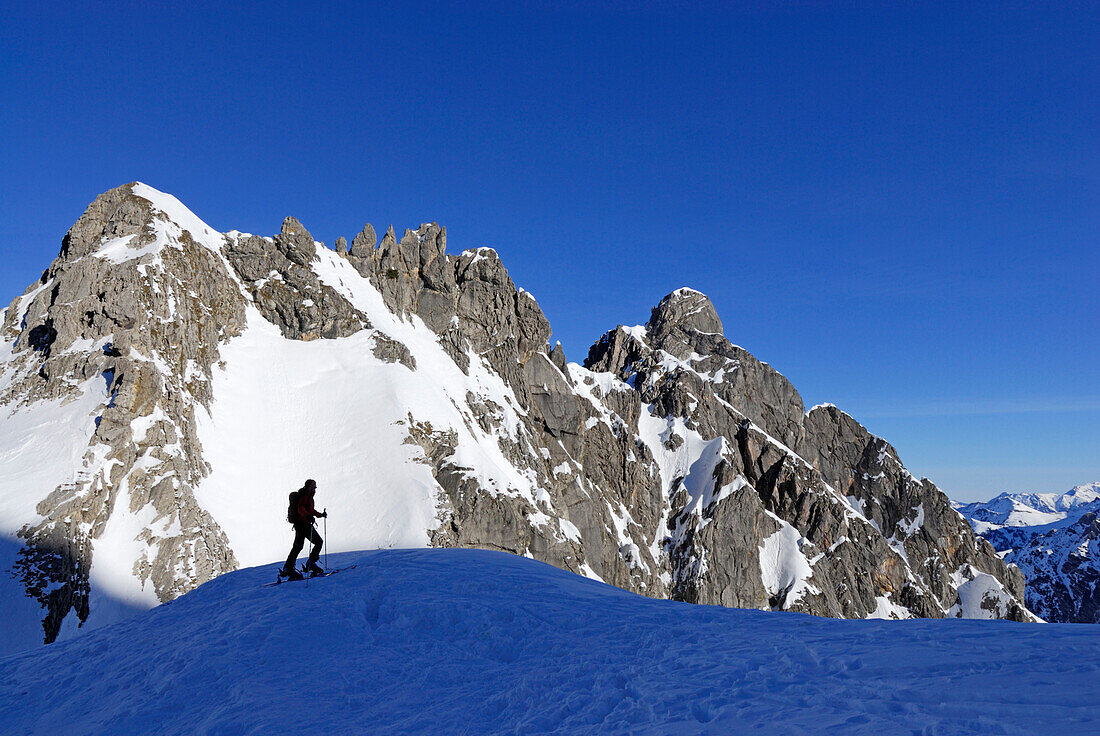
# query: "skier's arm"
{"points": [[310, 511], [307, 511]]}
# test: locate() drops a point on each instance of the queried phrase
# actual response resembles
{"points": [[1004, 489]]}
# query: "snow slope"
{"points": [[263, 443], [477, 642], [64, 427]]}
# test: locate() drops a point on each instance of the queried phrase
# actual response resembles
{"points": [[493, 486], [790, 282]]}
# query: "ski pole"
{"points": [[326, 540], [308, 545]]}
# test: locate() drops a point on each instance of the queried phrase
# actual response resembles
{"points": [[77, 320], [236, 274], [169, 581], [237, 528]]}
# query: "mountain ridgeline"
{"points": [[433, 411]]}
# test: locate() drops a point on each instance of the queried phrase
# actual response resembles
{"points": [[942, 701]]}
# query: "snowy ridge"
{"points": [[496, 643], [1032, 509]]}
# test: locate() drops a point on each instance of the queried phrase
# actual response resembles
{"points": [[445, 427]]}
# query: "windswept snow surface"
{"points": [[478, 642]]}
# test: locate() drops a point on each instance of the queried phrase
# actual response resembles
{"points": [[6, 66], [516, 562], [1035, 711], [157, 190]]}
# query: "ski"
{"points": [[325, 574]]}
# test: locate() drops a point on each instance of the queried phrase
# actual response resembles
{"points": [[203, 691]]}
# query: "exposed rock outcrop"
{"points": [[141, 305], [276, 271], [828, 494]]}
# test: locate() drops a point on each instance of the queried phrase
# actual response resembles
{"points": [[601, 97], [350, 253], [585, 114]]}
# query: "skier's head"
{"points": [[310, 487]]}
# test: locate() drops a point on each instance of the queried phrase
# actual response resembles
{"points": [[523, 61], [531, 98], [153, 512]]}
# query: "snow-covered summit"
{"points": [[135, 222], [177, 213], [1078, 496]]}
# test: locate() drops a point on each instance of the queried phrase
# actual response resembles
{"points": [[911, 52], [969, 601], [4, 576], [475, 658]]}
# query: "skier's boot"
{"points": [[290, 574], [314, 570]]}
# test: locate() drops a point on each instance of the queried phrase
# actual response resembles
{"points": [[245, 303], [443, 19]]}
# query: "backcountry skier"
{"points": [[301, 514]]}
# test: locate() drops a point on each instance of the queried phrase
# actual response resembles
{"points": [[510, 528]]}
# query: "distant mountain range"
{"points": [[1053, 539]]}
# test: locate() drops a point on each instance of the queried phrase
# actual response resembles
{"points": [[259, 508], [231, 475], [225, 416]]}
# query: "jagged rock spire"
{"points": [[684, 309], [362, 245]]}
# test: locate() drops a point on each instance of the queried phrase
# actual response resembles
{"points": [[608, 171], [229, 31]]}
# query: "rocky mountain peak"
{"points": [[292, 228], [128, 323], [362, 245], [117, 213], [683, 322], [687, 309], [295, 242]]}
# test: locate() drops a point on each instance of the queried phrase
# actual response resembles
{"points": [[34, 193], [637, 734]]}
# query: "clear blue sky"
{"points": [[897, 205]]}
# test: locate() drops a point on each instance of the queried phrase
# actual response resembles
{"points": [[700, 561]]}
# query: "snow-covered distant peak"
{"points": [[1080, 496], [1052, 538], [1031, 509], [1012, 510]]}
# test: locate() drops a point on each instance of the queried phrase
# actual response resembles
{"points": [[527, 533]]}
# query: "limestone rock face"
{"points": [[142, 306], [672, 463], [471, 304], [685, 326], [914, 514], [468, 300], [814, 488], [276, 271]]}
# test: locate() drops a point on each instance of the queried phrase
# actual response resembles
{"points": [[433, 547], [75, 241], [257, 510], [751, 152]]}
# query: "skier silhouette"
{"points": [[301, 514]]}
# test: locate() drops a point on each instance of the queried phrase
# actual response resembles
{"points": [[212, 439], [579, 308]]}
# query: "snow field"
{"points": [[287, 410], [477, 642]]}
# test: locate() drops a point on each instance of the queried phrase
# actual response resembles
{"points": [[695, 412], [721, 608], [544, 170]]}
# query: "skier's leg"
{"points": [[314, 553], [299, 542]]}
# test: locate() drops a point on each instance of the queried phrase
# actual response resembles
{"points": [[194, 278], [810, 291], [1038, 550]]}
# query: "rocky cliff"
{"points": [[425, 394]]}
